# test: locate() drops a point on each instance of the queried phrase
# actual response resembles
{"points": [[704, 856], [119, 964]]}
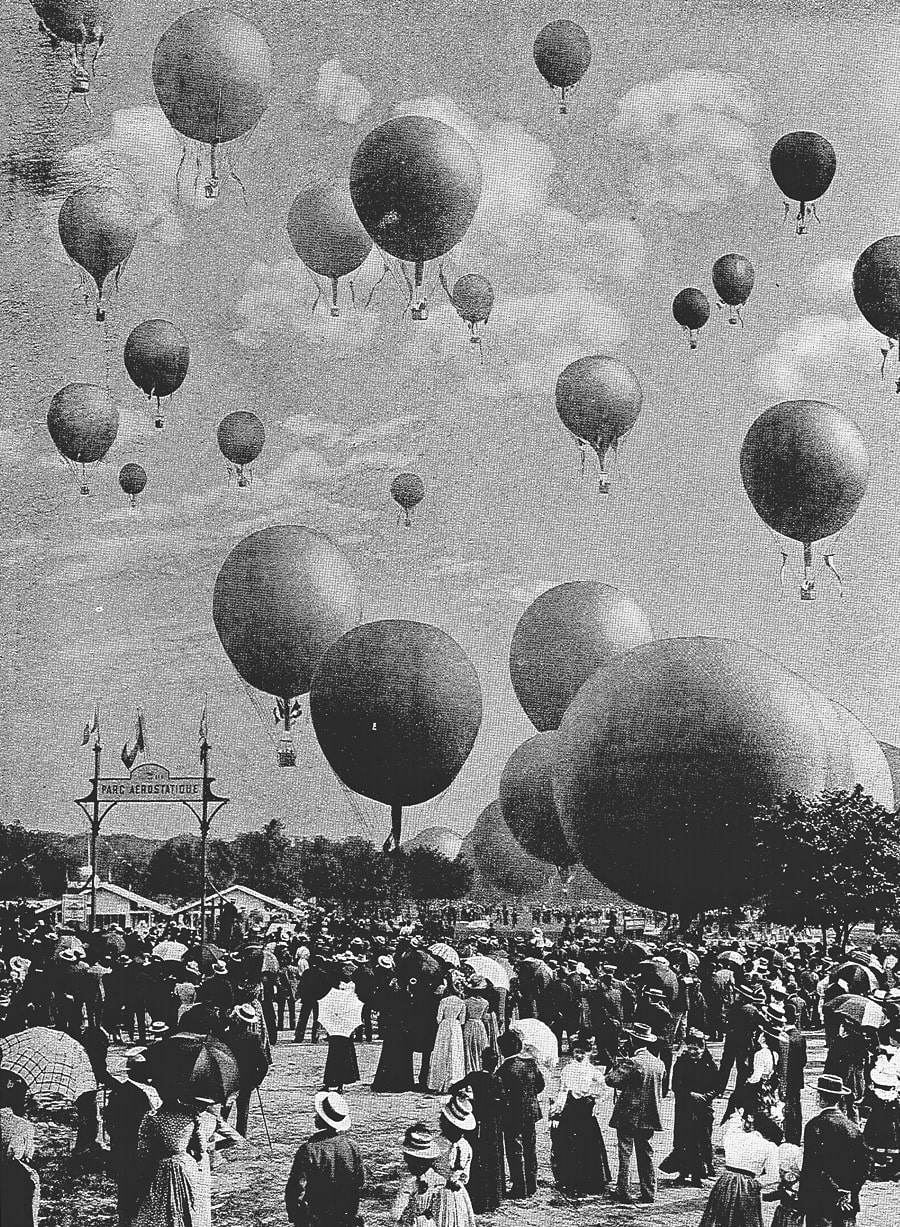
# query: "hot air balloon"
{"points": [[241, 437], [283, 596], [501, 860], [869, 767], [415, 184], [526, 798], [98, 229], [442, 840], [408, 490], [691, 310], [803, 166], [396, 707], [83, 423], [81, 23], [598, 400], [667, 753], [892, 758], [805, 468], [212, 72], [472, 297], [565, 635], [157, 358], [732, 278], [562, 54], [876, 288], [327, 236], [132, 479]]}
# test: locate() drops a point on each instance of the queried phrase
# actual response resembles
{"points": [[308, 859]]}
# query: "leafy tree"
{"points": [[426, 875], [267, 861], [832, 860], [174, 868], [32, 863]]}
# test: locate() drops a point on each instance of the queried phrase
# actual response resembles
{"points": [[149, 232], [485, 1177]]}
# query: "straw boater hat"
{"points": [[158, 1028], [244, 1012], [420, 1143], [219, 968], [831, 1084], [458, 1111], [385, 961], [641, 1032], [68, 955], [334, 1110]]}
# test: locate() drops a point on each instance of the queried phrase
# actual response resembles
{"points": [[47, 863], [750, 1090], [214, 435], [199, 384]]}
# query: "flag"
{"points": [[136, 747], [93, 728]]}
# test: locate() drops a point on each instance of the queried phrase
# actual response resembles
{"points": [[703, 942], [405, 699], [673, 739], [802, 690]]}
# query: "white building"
{"points": [[245, 899]]}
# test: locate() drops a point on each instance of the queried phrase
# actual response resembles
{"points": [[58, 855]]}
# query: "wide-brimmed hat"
{"points": [[865, 959], [656, 993], [68, 956], [458, 1111], [333, 1110], [219, 968], [245, 1012], [420, 1143], [747, 991], [640, 1031], [385, 961], [17, 963], [884, 1078], [158, 1028], [695, 1036], [831, 1084], [476, 984], [134, 1055]]}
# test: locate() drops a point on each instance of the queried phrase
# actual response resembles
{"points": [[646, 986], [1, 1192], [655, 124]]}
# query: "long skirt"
{"points": [[341, 1066], [395, 1064], [475, 1040], [453, 1209], [487, 1179], [448, 1063], [178, 1196], [577, 1153], [787, 1216], [735, 1200]]}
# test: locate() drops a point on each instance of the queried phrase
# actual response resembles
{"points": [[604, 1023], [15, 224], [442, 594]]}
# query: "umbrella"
{"points": [[170, 951], [446, 953], [858, 1009], [340, 1012], [111, 943], [731, 956], [188, 1066], [50, 1062], [690, 960], [211, 954], [636, 949], [537, 1040], [495, 973], [855, 974]]}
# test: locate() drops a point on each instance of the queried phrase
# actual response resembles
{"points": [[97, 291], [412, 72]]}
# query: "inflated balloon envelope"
{"points": [[526, 800], [501, 860]]}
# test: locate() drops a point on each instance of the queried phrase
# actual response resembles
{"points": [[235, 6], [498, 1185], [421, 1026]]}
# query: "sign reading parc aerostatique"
{"points": [[150, 782]]}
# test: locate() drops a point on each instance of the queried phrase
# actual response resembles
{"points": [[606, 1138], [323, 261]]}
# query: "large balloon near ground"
{"points": [[415, 184], [501, 860], [326, 233], [396, 707], [526, 798], [805, 468], [442, 840], [869, 768], [563, 637], [665, 756], [283, 596]]}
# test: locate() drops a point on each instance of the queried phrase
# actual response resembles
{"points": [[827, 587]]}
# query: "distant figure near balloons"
{"points": [[156, 358], [408, 490], [241, 436], [472, 298], [212, 73], [691, 310], [98, 230], [83, 423], [133, 480], [876, 288], [328, 237], [562, 55], [803, 166], [733, 277], [598, 400], [79, 23]]}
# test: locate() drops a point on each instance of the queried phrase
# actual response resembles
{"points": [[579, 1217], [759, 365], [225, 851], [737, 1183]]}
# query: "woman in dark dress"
{"points": [[395, 1064], [577, 1151], [487, 1180], [694, 1081]]}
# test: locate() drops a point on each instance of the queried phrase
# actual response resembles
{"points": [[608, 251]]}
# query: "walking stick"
{"points": [[265, 1122]]}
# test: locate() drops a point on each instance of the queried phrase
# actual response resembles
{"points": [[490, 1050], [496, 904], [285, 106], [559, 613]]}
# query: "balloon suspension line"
{"points": [[564, 100], [403, 517], [335, 306], [181, 162], [808, 584], [392, 843], [692, 336], [418, 299], [80, 79], [315, 280]]}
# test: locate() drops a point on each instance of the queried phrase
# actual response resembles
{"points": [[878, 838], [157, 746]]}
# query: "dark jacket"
{"points": [[326, 1180], [835, 1162], [638, 1079], [126, 1107], [522, 1082]]}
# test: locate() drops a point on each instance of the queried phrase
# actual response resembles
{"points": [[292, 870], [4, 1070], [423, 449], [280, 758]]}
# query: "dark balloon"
{"points": [[876, 285], [408, 490], [98, 229], [473, 298], [501, 860], [326, 233], [157, 357], [83, 422], [665, 756], [283, 596], [803, 166], [691, 310], [526, 798], [733, 277], [241, 436], [562, 55], [396, 707], [78, 22], [133, 480], [598, 399], [565, 635]]}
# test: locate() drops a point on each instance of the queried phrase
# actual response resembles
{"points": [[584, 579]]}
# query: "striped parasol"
{"points": [[50, 1062]]}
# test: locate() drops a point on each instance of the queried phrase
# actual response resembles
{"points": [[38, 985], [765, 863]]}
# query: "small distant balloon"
{"points": [[691, 310], [598, 400], [562, 54], [156, 358], [472, 297], [803, 166], [241, 438], [83, 423], [327, 236], [132, 479], [876, 288], [98, 229], [733, 277], [407, 490]]}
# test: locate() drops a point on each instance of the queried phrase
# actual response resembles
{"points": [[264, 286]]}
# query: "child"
{"points": [[790, 1160], [414, 1204], [454, 1209], [882, 1131]]}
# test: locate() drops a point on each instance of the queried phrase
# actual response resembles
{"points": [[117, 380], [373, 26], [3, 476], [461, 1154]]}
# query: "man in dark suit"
{"points": [[126, 1106], [638, 1078], [611, 1006], [521, 1082], [743, 1019], [533, 975], [835, 1161], [327, 1176]]}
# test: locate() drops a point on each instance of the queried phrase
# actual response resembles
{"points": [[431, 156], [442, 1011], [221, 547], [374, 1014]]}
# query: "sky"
{"points": [[587, 228]]}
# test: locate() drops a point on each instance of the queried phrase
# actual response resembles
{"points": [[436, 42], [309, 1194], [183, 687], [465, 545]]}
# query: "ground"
{"points": [[248, 1185]]}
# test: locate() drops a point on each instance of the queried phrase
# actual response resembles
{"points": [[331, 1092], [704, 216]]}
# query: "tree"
{"points": [[267, 861], [32, 863], [832, 860], [174, 868], [426, 875]]}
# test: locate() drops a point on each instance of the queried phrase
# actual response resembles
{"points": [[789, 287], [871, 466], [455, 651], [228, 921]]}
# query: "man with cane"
{"points": [[252, 1059]]}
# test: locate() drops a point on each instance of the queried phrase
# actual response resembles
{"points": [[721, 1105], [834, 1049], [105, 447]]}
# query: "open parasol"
{"points": [[538, 1040], [50, 1062], [340, 1012], [495, 973], [170, 952], [188, 1066], [446, 953], [861, 1010], [211, 954]]}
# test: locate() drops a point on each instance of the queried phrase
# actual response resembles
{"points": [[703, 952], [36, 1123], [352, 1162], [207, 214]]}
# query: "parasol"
{"points": [[188, 1066], [858, 1009], [732, 957], [171, 952], [211, 954], [538, 1040], [340, 1012], [690, 960], [49, 1061], [446, 953], [857, 976], [495, 973]]}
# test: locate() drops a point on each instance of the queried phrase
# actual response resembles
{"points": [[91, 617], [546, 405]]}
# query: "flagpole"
{"points": [[204, 832], [95, 828]]}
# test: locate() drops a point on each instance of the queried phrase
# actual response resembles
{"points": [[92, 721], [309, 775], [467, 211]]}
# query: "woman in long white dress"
{"points": [[448, 1062]]}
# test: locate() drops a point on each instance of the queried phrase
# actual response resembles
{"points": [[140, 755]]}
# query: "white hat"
{"points": [[245, 1012], [333, 1110], [68, 955]]}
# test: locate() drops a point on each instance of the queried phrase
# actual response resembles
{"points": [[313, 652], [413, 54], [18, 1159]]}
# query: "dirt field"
{"points": [[248, 1186]]}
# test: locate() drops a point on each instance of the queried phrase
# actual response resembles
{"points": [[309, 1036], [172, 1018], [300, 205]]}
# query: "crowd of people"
{"points": [[451, 1008]]}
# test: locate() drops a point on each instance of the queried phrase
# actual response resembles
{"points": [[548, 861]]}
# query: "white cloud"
{"points": [[830, 284], [687, 139], [820, 357], [340, 95]]}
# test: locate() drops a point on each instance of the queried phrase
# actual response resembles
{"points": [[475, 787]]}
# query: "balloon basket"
{"points": [[807, 594], [287, 756], [84, 489], [101, 314], [603, 484], [243, 481], [335, 312], [80, 85], [420, 313], [159, 423], [212, 189]]}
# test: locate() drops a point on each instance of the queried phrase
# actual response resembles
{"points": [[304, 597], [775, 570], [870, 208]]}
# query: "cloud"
{"points": [[830, 284], [820, 357], [687, 139], [340, 95], [12, 446]]}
